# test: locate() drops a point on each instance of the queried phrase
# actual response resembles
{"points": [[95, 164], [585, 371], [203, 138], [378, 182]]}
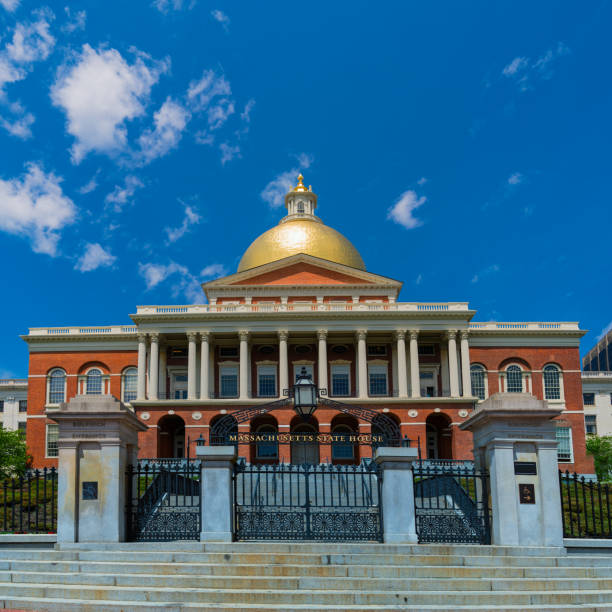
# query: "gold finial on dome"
{"points": [[300, 186]]}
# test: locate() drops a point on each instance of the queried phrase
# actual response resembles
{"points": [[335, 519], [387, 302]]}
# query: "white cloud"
{"points": [[274, 192], [515, 178], [219, 113], [34, 206], [90, 186], [523, 70], [229, 152], [122, 193], [419, 279], [9, 5], [422, 181], [213, 271], [170, 122], [245, 115], [191, 218], [221, 17], [402, 212], [186, 284], [486, 272], [76, 21], [203, 137], [604, 331], [32, 41], [94, 256], [19, 127], [99, 91], [202, 91], [165, 6]]}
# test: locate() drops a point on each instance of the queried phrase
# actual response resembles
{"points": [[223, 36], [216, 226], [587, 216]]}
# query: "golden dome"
{"points": [[308, 235]]}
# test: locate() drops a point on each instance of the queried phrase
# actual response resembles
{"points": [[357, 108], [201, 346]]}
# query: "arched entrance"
{"points": [[305, 451], [344, 430], [265, 448], [171, 436], [439, 436]]}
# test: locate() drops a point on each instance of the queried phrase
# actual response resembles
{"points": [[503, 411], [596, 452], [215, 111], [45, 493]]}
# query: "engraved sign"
{"points": [[525, 468], [90, 490], [526, 493], [314, 438]]}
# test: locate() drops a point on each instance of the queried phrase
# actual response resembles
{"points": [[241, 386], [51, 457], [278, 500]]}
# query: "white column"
{"points": [[322, 336], [415, 373], [154, 373], [362, 363], [204, 358], [244, 364], [163, 371], [465, 365], [142, 366], [453, 366], [444, 370], [283, 363], [191, 365], [402, 374]]}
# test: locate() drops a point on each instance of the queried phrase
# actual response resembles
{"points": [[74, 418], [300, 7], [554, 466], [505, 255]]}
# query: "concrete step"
{"points": [[291, 598], [314, 583]]}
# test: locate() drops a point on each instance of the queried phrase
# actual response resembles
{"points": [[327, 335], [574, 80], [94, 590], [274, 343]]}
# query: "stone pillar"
{"points": [[399, 522], [98, 436], [191, 365], [163, 371], [244, 364], [217, 492], [415, 373], [402, 374], [453, 366], [514, 437], [154, 375], [204, 364], [362, 364], [283, 362], [465, 365], [142, 367], [322, 336]]}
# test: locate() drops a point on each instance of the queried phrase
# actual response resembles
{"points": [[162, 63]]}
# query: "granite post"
{"points": [[98, 438], [217, 492], [399, 523], [514, 438]]}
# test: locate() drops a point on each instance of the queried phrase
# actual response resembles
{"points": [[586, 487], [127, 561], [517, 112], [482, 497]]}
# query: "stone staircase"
{"points": [[184, 576]]}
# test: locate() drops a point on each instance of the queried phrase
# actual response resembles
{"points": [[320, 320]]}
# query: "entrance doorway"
{"points": [[439, 436], [171, 437], [305, 452]]}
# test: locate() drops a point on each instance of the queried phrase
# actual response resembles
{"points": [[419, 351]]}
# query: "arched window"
{"points": [[130, 384], [300, 208], [552, 382], [94, 382], [267, 447], [57, 386], [477, 373], [342, 447], [514, 379]]}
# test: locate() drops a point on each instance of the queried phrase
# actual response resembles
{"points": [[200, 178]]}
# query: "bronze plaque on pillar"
{"points": [[526, 494]]}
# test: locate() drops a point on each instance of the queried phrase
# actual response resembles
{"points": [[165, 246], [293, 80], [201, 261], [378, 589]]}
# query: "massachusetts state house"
{"points": [[302, 301]]}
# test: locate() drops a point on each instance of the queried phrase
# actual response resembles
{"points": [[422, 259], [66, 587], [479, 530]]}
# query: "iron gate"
{"points": [[451, 502], [163, 500], [326, 502]]}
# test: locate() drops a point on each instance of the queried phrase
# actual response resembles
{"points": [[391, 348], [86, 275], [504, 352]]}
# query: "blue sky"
{"points": [[464, 148]]}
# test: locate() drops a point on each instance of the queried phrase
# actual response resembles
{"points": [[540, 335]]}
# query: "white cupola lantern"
{"points": [[300, 201]]}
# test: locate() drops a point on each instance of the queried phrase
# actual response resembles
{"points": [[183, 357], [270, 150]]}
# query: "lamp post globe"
{"points": [[304, 395]]}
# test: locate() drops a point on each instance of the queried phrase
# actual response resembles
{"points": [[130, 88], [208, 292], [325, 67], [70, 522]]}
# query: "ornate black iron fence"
{"points": [[28, 504], [585, 507], [325, 502], [163, 500], [451, 502]]}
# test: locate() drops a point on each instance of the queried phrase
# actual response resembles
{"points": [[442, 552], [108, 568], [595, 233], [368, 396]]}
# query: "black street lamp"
{"points": [[304, 395]]}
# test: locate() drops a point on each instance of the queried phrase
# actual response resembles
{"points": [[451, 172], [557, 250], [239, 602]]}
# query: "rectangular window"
{"points": [[340, 385], [427, 384], [228, 381], [376, 350], [130, 387], [589, 399], [564, 447], [21, 426], [180, 386], [590, 423], [377, 378], [266, 381], [52, 437], [228, 351], [1, 405], [426, 349], [23, 405]]}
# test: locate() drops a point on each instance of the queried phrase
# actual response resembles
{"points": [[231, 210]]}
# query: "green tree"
{"points": [[600, 447], [14, 458]]}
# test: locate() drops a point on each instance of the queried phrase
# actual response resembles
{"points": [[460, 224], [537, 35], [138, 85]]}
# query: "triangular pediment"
{"points": [[303, 270]]}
